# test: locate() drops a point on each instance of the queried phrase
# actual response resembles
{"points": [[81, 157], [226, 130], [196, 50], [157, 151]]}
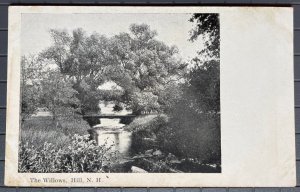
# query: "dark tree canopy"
{"points": [[208, 28], [194, 127], [203, 88], [204, 77]]}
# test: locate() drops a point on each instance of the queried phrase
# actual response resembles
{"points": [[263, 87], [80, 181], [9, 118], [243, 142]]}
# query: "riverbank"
{"points": [[160, 162], [143, 149], [53, 146], [149, 150]]}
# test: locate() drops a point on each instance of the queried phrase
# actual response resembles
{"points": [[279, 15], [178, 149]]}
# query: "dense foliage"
{"points": [[194, 127], [193, 106], [136, 61], [30, 69], [81, 155], [208, 28]]}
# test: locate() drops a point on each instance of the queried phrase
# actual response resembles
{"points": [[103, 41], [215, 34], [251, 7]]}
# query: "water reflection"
{"points": [[119, 140], [111, 132]]}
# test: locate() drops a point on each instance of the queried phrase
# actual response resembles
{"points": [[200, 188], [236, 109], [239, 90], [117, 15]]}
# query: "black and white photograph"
{"points": [[149, 96], [120, 93]]}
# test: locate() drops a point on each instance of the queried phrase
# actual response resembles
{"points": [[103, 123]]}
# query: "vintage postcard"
{"points": [[150, 97]]}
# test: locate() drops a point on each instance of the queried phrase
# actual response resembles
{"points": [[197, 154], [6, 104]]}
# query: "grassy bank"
{"points": [[38, 130], [49, 146]]}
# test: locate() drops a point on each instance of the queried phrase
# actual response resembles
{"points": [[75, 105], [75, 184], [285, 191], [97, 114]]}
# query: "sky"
{"points": [[172, 29]]}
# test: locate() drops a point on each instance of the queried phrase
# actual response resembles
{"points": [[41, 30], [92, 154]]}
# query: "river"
{"points": [[111, 131]]}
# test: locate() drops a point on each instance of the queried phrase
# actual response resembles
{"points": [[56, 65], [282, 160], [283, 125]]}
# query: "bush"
{"points": [[81, 155], [192, 134], [145, 132], [193, 130], [139, 122]]}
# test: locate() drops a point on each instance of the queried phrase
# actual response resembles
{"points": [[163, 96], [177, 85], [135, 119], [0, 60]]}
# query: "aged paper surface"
{"points": [[256, 99]]}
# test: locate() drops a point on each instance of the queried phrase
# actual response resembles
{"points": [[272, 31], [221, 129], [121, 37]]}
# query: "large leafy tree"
{"points": [[58, 96], [146, 67], [136, 61], [44, 86], [149, 62], [82, 59], [30, 85], [79, 56]]}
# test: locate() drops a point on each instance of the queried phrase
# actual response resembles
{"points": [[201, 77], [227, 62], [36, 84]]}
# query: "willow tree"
{"points": [[136, 61], [82, 59], [146, 66]]}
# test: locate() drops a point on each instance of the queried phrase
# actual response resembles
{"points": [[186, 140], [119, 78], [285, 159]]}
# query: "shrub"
{"points": [[81, 155], [139, 122], [193, 130], [144, 134], [192, 134]]}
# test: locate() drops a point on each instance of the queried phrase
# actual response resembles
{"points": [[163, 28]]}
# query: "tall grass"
{"points": [[38, 130], [80, 155], [51, 146]]}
